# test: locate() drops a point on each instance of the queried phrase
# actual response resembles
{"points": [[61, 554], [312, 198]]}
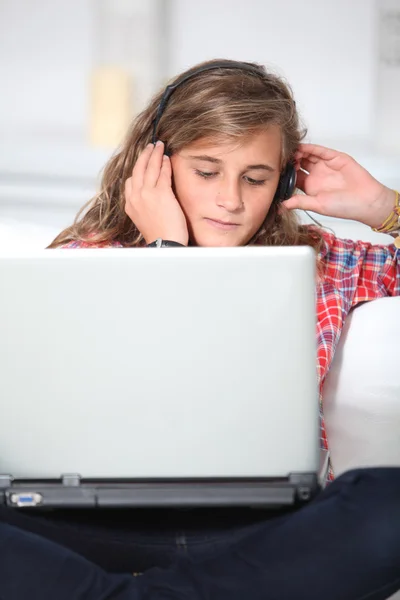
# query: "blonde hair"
{"points": [[218, 104]]}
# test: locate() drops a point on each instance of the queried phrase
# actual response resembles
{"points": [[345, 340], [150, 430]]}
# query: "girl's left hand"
{"points": [[337, 186]]}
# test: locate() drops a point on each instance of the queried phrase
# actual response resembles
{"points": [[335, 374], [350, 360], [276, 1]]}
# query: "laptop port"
{"points": [[24, 499]]}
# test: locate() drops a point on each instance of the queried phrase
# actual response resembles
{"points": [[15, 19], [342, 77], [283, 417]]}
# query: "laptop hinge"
{"points": [[71, 479], [305, 484], [5, 481]]}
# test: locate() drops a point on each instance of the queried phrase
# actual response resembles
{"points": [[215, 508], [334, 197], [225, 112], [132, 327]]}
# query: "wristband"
{"points": [[160, 243]]}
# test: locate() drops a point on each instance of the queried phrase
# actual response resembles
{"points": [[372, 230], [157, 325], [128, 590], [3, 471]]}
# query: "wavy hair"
{"points": [[220, 104]]}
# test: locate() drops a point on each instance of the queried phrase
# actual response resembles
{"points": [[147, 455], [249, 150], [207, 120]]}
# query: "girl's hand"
{"points": [[337, 186], [149, 200]]}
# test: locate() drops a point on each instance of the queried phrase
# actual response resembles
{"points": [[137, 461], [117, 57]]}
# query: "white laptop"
{"points": [[158, 377]]}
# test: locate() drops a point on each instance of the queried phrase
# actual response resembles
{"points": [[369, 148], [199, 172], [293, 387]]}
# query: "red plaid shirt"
{"points": [[353, 272]]}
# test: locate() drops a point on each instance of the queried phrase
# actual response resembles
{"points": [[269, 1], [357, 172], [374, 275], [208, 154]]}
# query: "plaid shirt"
{"points": [[353, 272]]}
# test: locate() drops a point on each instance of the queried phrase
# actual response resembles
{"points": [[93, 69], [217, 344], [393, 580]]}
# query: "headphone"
{"points": [[287, 180]]}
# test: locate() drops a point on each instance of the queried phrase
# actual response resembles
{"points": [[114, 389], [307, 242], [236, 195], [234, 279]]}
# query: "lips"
{"points": [[225, 225]]}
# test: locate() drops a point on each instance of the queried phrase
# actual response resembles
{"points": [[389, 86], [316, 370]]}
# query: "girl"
{"points": [[224, 176]]}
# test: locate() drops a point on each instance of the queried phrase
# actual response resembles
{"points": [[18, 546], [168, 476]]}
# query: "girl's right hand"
{"points": [[149, 200]]}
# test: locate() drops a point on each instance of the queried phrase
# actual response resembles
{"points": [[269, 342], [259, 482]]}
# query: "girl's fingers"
{"points": [[317, 152], [140, 167], [301, 180], [153, 169], [308, 164], [166, 172]]}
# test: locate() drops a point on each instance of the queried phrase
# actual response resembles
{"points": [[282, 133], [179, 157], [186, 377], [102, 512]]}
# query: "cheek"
{"points": [[259, 211], [188, 204], [181, 182], [180, 186], [188, 199], [190, 196]]}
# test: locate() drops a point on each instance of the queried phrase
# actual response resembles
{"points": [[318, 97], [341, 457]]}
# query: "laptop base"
{"points": [[72, 491]]}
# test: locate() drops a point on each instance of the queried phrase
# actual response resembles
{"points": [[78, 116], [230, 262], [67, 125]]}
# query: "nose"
{"points": [[229, 195]]}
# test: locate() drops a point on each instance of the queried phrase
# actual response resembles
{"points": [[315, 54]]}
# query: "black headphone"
{"points": [[287, 180]]}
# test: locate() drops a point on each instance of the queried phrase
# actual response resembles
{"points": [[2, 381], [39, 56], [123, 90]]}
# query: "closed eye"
{"points": [[254, 181], [209, 174], [205, 174]]}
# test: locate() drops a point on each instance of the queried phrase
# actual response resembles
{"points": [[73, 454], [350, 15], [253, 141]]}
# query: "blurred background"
{"points": [[73, 75]]}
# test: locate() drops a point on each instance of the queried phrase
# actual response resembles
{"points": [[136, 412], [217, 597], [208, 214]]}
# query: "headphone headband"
{"points": [[169, 90]]}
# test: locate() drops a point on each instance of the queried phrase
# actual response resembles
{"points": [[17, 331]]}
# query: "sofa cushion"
{"points": [[362, 389]]}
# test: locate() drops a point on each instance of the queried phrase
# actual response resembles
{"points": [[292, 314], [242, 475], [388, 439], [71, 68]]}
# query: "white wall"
{"points": [[325, 48], [45, 54]]}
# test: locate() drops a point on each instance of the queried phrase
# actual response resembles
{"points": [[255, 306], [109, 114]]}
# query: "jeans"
{"points": [[343, 545]]}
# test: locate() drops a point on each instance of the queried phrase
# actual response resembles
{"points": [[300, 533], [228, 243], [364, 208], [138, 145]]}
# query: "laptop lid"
{"points": [[158, 363]]}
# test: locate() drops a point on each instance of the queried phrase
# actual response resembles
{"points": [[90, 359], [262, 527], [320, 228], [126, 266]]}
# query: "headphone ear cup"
{"points": [[287, 183]]}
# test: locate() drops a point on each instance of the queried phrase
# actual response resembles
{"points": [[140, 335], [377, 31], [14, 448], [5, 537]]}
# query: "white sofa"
{"points": [[362, 389]]}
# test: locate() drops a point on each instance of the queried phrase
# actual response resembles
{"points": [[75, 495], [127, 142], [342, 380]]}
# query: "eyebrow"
{"points": [[217, 161]]}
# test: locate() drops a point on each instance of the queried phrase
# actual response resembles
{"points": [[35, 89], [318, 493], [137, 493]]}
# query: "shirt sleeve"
{"points": [[361, 271]]}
